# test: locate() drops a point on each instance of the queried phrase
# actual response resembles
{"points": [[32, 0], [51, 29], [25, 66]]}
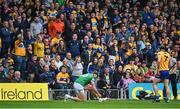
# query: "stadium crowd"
{"points": [[56, 41]]}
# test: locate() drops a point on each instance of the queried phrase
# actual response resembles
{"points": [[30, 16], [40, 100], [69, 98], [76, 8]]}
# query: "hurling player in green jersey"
{"points": [[85, 82]]}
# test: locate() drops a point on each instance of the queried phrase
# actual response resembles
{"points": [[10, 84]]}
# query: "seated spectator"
{"points": [[33, 69], [150, 75], [144, 68], [48, 77], [17, 77], [62, 79], [10, 74], [58, 62], [53, 67], [2, 76]]}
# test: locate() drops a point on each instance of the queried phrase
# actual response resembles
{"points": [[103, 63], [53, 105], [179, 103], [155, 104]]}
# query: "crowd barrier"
{"points": [[55, 94]]}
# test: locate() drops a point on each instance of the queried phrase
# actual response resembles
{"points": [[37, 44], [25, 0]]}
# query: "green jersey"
{"points": [[85, 79]]}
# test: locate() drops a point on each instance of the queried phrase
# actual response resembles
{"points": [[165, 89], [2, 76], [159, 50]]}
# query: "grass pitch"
{"points": [[126, 104]]}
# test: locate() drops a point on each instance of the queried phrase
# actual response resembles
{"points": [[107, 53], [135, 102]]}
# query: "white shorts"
{"points": [[78, 88]]}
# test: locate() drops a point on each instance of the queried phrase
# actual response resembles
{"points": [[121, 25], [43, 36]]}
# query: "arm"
{"points": [[94, 90], [158, 61]]}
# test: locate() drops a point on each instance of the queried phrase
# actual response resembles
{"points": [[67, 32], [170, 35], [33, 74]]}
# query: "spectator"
{"points": [[55, 42], [74, 46], [56, 26], [20, 53], [17, 77], [77, 68], [93, 66], [87, 55], [61, 49], [48, 77], [62, 79], [36, 27], [58, 62], [118, 75], [148, 17], [5, 34], [126, 81], [53, 67], [32, 68], [39, 47]]}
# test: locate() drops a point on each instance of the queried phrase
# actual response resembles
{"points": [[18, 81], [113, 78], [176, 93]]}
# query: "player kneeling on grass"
{"points": [[85, 82]]}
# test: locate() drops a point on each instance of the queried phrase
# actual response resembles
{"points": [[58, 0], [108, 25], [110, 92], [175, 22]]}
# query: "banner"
{"points": [[23, 91], [136, 87]]}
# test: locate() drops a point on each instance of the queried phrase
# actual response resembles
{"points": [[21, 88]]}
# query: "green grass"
{"points": [[90, 104]]}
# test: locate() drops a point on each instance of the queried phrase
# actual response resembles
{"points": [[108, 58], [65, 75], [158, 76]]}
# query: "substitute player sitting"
{"points": [[163, 69], [85, 82]]}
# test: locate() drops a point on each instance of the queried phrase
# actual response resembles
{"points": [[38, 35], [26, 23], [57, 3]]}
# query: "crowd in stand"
{"points": [[56, 41]]}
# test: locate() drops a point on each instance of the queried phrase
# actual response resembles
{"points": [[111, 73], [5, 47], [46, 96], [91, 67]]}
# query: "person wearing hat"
{"points": [[148, 54], [11, 73]]}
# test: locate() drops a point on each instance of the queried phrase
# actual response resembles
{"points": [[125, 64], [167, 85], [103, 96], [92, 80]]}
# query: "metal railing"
{"points": [[58, 94]]}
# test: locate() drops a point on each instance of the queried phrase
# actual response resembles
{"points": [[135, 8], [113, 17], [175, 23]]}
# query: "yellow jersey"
{"points": [[164, 59], [62, 76], [19, 48], [39, 49]]}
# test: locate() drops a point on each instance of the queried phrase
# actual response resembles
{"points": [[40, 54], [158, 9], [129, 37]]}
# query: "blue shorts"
{"points": [[164, 74]]}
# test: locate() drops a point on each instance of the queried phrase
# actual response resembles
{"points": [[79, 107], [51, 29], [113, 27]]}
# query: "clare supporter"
{"points": [[62, 79]]}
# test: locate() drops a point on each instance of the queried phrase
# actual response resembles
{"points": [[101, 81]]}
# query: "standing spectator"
{"points": [[55, 42], [126, 81], [148, 17], [87, 55], [36, 27], [69, 32], [61, 49], [20, 53], [56, 26], [93, 66], [74, 46], [114, 51], [148, 54], [39, 47], [77, 69], [118, 75], [52, 12], [5, 34], [29, 39]]}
